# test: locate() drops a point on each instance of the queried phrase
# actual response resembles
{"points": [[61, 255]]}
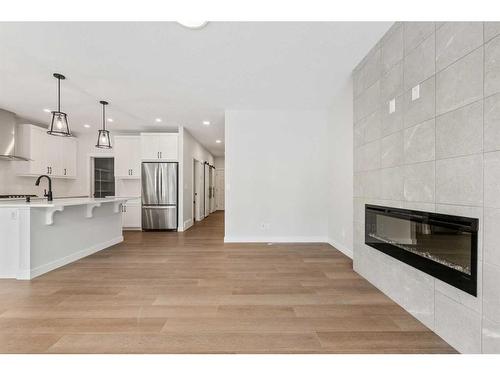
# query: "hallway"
{"points": [[168, 292]]}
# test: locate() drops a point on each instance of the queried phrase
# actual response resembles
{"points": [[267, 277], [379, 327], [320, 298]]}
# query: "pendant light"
{"points": [[59, 125], [103, 140]]}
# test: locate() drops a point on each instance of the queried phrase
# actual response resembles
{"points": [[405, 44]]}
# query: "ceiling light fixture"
{"points": [[193, 25], [47, 110], [206, 123], [59, 125], [218, 141], [86, 125], [103, 140], [110, 120], [158, 119]]}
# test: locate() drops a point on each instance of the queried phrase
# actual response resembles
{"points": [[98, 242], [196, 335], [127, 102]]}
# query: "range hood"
{"points": [[8, 137]]}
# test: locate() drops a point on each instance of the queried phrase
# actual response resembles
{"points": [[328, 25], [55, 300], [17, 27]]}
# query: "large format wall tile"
{"points": [[460, 132], [368, 129], [391, 150], [458, 325], [391, 48], [415, 33], [423, 108], [491, 236], [460, 180], [367, 157], [492, 66], [392, 122], [419, 142], [491, 337], [391, 84], [491, 292], [491, 29], [456, 39], [492, 179], [492, 123], [367, 102], [461, 83], [419, 64], [392, 183], [419, 182]]}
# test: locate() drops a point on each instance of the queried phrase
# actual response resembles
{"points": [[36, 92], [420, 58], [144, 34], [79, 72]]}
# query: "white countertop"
{"points": [[59, 202]]}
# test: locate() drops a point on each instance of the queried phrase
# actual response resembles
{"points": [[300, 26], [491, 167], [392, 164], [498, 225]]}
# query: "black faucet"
{"points": [[49, 194]]}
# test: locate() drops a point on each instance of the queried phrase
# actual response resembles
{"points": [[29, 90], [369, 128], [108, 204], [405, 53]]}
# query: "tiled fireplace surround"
{"points": [[438, 153]]}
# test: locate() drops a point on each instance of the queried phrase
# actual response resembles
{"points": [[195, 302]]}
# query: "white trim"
{"points": [[304, 239], [342, 248], [188, 224], [67, 259]]}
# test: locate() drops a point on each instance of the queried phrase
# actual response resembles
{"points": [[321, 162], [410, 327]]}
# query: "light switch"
{"points": [[415, 93], [392, 105]]}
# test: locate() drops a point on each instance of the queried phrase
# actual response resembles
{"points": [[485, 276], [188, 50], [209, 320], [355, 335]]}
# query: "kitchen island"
{"points": [[42, 235]]}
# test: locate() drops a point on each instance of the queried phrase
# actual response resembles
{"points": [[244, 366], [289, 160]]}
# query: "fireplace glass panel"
{"points": [[447, 246], [444, 246]]}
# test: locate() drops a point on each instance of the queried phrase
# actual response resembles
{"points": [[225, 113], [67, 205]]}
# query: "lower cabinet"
{"points": [[131, 218]]}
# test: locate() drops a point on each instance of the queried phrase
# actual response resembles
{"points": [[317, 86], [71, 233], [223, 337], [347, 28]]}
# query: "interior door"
{"points": [[206, 184], [219, 189], [198, 189]]}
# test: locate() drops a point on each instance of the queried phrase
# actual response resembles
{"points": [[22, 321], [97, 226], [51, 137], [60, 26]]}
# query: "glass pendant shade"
{"points": [[59, 125], [103, 139]]}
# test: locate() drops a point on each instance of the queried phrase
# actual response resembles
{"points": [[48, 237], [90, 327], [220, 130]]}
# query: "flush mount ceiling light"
{"points": [[59, 125], [86, 125], [206, 123], [110, 120], [103, 140], [218, 141], [47, 110], [194, 25], [158, 119]]}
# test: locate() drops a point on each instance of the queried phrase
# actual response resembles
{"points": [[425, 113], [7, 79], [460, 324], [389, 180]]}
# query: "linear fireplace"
{"points": [[443, 246]]}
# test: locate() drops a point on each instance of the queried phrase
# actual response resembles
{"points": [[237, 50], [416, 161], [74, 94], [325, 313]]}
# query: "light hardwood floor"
{"points": [[189, 292]]}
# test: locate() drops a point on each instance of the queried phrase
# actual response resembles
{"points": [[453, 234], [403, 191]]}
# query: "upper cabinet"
{"points": [[48, 154], [159, 146], [127, 156]]}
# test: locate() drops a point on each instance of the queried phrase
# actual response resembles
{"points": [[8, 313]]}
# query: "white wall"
{"points": [[219, 162], [190, 149], [340, 172], [276, 167]]}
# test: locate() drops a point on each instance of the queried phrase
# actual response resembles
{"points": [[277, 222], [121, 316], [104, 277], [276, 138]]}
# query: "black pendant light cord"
{"points": [[58, 94], [103, 116]]}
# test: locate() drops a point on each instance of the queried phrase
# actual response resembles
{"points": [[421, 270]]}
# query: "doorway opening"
{"points": [[103, 177]]}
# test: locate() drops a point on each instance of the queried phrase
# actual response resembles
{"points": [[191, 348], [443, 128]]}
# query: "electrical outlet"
{"points": [[415, 92], [392, 105]]}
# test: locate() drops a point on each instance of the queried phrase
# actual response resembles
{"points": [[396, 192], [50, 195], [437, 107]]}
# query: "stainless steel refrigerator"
{"points": [[159, 196]]}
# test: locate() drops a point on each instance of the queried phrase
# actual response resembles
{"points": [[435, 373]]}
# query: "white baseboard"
{"points": [[342, 248], [40, 270], [187, 224], [292, 239]]}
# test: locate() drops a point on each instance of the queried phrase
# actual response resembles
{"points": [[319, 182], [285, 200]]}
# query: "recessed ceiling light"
{"points": [[193, 24], [158, 119], [206, 122], [218, 141], [110, 120], [47, 110], [86, 125]]}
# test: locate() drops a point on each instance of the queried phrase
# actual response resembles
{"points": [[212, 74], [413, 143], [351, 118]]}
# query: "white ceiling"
{"points": [[161, 69]]}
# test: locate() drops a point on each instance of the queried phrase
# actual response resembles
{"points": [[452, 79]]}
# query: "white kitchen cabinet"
{"points": [[159, 146], [127, 156], [50, 155], [132, 214]]}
